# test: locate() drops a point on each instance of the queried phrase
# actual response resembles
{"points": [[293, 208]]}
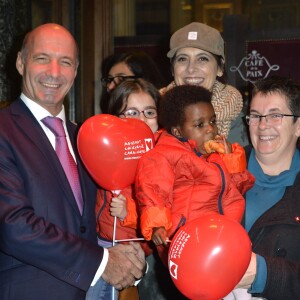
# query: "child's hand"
{"points": [[118, 207], [159, 236], [219, 145], [227, 146]]}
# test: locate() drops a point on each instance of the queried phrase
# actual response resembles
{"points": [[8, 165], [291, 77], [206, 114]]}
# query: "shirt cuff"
{"points": [[138, 281], [260, 280], [101, 267]]}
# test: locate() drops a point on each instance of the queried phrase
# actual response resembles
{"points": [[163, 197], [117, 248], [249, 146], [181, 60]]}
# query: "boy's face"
{"points": [[199, 125]]}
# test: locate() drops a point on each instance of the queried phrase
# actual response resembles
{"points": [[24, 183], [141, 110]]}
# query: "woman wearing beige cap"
{"points": [[197, 58]]}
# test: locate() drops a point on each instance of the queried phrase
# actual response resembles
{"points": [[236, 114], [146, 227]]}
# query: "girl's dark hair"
{"points": [[120, 94], [174, 102], [140, 64]]}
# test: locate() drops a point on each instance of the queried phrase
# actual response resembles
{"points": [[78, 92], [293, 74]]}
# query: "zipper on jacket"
{"points": [[222, 189], [181, 223]]}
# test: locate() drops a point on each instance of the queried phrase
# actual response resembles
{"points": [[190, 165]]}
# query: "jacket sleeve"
{"points": [[283, 280], [275, 236], [236, 164], [132, 216], [154, 193], [233, 203]]}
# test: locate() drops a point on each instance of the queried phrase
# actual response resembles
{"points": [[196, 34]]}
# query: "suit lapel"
{"points": [[30, 127]]}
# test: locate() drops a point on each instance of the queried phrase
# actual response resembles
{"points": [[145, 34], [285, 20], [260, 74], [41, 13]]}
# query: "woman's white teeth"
{"points": [[266, 138], [193, 81]]}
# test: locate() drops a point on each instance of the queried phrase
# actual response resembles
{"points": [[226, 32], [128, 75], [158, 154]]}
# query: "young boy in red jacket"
{"points": [[178, 181]]}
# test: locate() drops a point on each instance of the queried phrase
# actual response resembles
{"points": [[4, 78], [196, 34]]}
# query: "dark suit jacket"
{"points": [[47, 249]]}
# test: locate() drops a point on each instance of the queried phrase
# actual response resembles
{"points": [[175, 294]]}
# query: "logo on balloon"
{"points": [[179, 244], [134, 149], [149, 144], [173, 269]]}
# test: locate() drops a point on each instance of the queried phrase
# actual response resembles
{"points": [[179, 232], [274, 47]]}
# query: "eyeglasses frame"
{"points": [[139, 111], [247, 118], [108, 80]]}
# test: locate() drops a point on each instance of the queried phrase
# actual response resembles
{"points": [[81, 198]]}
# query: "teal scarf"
{"points": [[267, 190]]}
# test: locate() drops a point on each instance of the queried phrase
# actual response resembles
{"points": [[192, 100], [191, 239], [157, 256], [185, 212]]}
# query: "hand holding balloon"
{"points": [[118, 207], [159, 236], [250, 274]]}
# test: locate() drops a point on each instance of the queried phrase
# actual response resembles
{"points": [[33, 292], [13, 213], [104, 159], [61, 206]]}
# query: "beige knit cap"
{"points": [[197, 35]]}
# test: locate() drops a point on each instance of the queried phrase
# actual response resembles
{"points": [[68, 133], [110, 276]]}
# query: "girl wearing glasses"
{"points": [[135, 98]]}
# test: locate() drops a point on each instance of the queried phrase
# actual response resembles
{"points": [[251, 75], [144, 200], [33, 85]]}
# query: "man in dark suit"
{"points": [[48, 245]]}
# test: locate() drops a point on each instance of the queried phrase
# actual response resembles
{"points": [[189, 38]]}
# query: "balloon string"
{"points": [[128, 240], [115, 193], [113, 293], [114, 232]]}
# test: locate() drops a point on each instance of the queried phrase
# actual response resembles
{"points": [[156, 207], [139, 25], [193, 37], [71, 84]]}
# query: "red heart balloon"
{"points": [[208, 257], [110, 148]]}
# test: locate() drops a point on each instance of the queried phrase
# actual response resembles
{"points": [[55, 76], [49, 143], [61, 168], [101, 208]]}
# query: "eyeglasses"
{"points": [[271, 119], [149, 113], [117, 79]]}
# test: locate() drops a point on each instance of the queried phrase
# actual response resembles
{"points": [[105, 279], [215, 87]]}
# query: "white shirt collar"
{"points": [[39, 112]]}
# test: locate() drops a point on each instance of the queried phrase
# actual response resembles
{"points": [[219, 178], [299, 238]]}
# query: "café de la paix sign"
{"points": [[254, 66]]}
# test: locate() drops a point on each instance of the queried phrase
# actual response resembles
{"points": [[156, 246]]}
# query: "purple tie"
{"points": [[65, 157]]}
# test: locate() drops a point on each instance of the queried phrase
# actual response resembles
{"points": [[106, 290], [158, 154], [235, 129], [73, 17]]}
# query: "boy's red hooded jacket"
{"points": [[175, 184]]}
